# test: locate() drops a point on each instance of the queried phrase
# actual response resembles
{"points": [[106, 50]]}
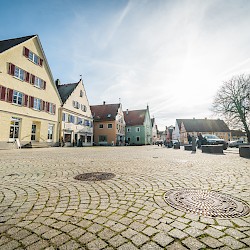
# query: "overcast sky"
{"points": [[170, 54]]}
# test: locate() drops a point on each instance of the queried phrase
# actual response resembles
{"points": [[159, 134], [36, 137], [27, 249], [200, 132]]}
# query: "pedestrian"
{"points": [[189, 137], [200, 140]]}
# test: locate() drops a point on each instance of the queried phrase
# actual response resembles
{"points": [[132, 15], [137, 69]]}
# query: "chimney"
{"points": [[57, 82], [104, 102], [127, 112]]}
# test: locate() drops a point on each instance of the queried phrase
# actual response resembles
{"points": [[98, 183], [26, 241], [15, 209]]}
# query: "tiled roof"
{"points": [[135, 117], [65, 90], [237, 133], [105, 112], [205, 125], [7, 44]]}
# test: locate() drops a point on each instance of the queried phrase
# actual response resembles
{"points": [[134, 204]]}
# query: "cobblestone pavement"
{"points": [[42, 206]]}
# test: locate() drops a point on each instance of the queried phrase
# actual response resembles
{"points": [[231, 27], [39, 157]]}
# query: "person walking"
{"points": [[200, 140]]}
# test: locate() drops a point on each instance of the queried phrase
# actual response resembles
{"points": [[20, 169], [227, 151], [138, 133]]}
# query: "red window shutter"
{"points": [[48, 104], [31, 102], [40, 61], [43, 105], [32, 79], [9, 95], [11, 69], [26, 52], [3, 93], [44, 85], [54, 109], [27, 76], [25, 103]]}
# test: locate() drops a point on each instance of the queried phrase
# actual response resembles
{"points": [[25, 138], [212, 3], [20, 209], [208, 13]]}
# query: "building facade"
{"points": [[109, 124], [138, 127], [29, 99], [76, 122]]}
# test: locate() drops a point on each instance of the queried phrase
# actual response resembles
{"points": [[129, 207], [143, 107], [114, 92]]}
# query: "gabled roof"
{"points": [[65, 90], [205, 125], [7, 44], [135, 117], [105, 112]]}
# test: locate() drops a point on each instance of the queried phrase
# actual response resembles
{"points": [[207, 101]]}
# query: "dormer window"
{"points": [[109, 115]]}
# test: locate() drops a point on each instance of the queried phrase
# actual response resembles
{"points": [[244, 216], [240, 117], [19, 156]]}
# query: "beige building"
{"points": [[75, 115], [29, 99]]}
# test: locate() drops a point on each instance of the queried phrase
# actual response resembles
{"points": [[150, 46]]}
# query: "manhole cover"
{"points": [[206, 203], [95, 176]]}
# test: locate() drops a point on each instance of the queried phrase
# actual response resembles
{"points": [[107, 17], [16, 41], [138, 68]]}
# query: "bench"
{"points": [[212, 149], [188, 147], [244, 151]]}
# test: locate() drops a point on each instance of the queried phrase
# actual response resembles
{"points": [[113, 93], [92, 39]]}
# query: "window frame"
{"points": [[101, 126], [108, 126], [17, 97]]}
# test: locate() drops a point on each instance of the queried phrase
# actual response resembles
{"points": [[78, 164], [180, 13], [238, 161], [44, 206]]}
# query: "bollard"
{"points": [[193, 144]]}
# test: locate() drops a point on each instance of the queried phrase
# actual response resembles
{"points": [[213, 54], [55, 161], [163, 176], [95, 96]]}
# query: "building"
{"points": [[154, 131], [238, 135], [76, 122], [109, 124], [29, 99], [138, 127], [204, 126]]}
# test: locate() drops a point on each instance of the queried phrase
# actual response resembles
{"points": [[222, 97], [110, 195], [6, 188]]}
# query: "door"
{"points": [[14, 129], [33, 132]]}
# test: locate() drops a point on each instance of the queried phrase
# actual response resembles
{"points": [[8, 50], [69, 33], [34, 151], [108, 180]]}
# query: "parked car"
{"points": [[214, 140], [235, 143]]}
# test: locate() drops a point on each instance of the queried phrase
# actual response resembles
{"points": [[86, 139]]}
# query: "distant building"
{"points": [[154, 130], [238, 135], [75, 115], [109, 124], [138, 127], [205, 126], [29, 99]]}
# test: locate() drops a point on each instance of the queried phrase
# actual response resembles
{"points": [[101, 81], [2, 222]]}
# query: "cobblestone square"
{"points": [[42, 206]]}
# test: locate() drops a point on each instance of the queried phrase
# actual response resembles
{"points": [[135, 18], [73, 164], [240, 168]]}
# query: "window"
{"points": [[38, 82], [88, 138], [110, 125], [137, 138], [81, 93], [100, 125], [19, 73], [33, 57], [137, 129], [83, 108], [63, 117], [128, 129], [76, 104], [17, 97], [50, 107], [102, 138], [37, 104], [50, 132], [79, 120], [109, 115]]}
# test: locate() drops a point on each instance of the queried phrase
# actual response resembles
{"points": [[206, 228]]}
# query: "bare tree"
{"points": [[232, 101]]}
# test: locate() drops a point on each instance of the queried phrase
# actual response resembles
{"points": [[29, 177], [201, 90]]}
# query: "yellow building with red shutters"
{"points": [[29, 99]]}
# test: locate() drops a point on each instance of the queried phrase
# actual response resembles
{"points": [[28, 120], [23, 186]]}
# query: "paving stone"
{"points": [[214, 232], [70, 245], [176, 246], [211, 242], [226, 223], [117, 241], [10, 245], [151, 246], [193, 243], [162, 239], [234, 233], [87, 237], [193, 231], [127, 246], [178, 225], [60, 239], [41, 244], [96, 244], [198, 225], [231, 242], [137, 226], [106, 234], [139, 239], [149, 231], [129, 233], [246, 241], [176, 233]]}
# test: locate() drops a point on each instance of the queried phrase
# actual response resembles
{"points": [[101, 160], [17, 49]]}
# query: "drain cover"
{"points": [[94, 176], [206, 203]]}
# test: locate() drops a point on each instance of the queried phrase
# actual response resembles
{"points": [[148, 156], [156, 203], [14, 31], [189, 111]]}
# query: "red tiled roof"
{"points": [[134, 117], [105, 112]]}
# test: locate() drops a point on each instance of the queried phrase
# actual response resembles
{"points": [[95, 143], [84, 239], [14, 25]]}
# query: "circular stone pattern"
{"points": [[94, 176], [206, 203]]}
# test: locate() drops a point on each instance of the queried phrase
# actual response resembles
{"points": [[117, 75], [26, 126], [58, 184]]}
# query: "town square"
{"points": [[43, 206]]}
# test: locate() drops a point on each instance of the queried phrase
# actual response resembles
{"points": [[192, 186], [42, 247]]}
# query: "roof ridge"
{"points": [[18, 38]]}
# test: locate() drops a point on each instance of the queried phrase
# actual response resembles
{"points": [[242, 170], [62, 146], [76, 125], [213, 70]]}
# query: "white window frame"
{"points": [[33, 57], [50, 132], [138, 129], [38, 82], [139, 138], [37, 104], [17, 98], [19, 73], [128, 130]]}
